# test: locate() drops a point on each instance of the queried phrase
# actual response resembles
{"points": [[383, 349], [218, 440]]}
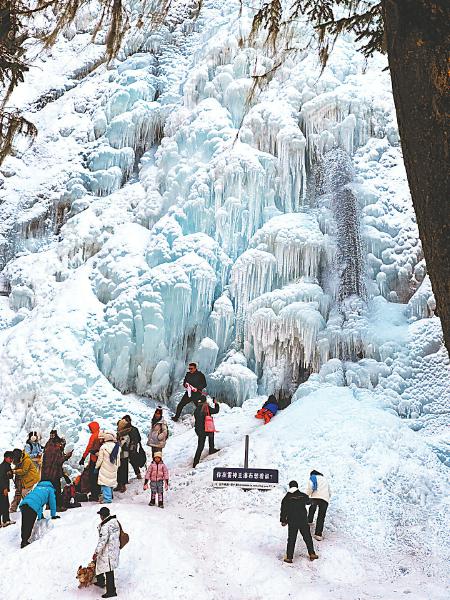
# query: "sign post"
{"points": [[247, 477]]}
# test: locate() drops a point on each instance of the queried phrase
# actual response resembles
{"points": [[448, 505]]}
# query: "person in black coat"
{"points": [[203, 410], [293, 514], [193, 379], [6, 475], [135, 440]]}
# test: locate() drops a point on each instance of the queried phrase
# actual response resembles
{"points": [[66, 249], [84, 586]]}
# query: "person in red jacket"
{"points": [[92, 448]]}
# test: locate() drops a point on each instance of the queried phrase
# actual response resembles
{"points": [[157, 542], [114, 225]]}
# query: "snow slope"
{"points": [[385, 533], [164, 215]]}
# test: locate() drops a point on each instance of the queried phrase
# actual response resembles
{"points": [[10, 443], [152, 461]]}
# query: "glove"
{"points": [[283, 524], [81, 461], [56, 517]]}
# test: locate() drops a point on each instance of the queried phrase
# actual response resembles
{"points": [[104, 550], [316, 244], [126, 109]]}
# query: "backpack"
{"points": [[124, 538]]}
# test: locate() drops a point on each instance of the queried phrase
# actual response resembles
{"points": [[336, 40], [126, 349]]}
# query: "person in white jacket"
{"points": [[318, 489], [107, 552], [107, 464]]}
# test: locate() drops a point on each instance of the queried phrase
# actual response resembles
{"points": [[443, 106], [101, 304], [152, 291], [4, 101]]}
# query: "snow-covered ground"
{"points": [[384, 537], [165, 214]]}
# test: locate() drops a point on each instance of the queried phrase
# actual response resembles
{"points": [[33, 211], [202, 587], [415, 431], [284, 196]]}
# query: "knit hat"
{"points": [[293, 486], [158, 454]]}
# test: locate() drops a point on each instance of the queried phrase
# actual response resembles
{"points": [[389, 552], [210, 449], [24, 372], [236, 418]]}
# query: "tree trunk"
{"points": [[417, 39]]}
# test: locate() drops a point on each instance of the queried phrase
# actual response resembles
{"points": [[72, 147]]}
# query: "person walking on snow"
{"points": [[107, 465], [6, 475], [268, 410], [107, 552], [32, 508], [202, 411], [92, 450], [123, 437], [158, 475], [135, 440], [318, 489], [34, 449], [159, 432], [194, 382], [293, 514]]}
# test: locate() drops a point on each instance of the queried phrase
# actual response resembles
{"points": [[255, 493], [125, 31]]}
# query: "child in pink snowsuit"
{"points": [[158, 475]]}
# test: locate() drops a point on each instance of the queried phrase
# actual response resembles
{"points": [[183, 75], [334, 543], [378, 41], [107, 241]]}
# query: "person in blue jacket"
{"points": [[32, 508], [268, 410]]}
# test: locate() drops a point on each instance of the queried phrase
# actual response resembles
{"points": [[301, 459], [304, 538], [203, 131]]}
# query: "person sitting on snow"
{"points": [[268, 410], [318, 490], [194, 382]]}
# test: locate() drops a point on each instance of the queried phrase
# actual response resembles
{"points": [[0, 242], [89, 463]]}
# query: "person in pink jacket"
{"points": [[158, 475]]}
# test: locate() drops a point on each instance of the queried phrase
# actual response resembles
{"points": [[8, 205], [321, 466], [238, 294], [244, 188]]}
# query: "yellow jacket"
{"points": [[27, 471]]}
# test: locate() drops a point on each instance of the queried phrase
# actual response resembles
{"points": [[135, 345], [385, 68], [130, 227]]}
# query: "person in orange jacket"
{"points": [[92, 448]]}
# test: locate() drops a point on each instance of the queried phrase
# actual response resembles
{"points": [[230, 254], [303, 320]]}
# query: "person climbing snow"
{"points": [[34, 449], [158, 475], [202, 411], [32, 508], [92, 450], [135, 446], [318, 489], [268, 410], [107, 552], [107, 465], [194, 382], [293, 514], [6, 475], [159, 432]]}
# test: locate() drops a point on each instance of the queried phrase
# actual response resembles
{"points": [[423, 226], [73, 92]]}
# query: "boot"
{"points": [[287, 560], [109, 595], [100, 584], [313, 556], [152, 502], [6, 523], [214, 450], [24, 544], [174, 419], [195, 464], [319, 538], [161, 505]]}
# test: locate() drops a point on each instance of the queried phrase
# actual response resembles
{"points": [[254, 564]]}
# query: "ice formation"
{"points": [[267, 232]]}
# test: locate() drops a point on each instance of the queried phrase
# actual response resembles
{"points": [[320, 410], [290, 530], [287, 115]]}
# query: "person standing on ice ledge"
{"points": [[107, 552], [293, 514], [194, 382], [159, 432], [318, 489]]}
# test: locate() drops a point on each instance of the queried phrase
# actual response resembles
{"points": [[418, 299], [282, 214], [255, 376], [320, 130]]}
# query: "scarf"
{"points": [[313, 479]]}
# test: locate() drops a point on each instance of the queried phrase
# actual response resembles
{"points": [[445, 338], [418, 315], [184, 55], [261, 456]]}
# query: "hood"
{"points": [[108, 437], [45, 484], [94, 427]]}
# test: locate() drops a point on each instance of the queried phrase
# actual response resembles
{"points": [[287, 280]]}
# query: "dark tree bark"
{"points": [[417, 38]]}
